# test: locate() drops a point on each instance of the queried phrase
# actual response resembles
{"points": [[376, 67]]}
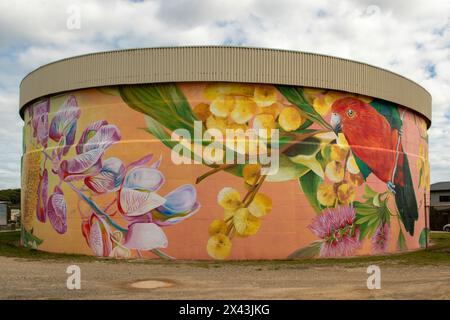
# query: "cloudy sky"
{"points": [[410, 37]]}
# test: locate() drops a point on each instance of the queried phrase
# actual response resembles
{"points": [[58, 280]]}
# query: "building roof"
{"points": [[440, 186], [224, 64]]}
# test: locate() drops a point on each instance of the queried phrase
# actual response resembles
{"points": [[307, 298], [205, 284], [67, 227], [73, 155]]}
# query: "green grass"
{"points": [[437, 254]]}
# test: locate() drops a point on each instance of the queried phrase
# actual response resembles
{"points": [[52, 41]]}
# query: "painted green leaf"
{"points": [[308, 252], [307, 147], [309, 183], [401, 242], [369, 193], [423, 237], [367, 218], [363, 167], [156, 129], [30, 240], [295, 96], [165, 103], [287, 170]]}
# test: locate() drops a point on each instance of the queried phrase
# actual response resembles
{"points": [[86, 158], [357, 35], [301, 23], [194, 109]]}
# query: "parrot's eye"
{"points": [[350, 113]]}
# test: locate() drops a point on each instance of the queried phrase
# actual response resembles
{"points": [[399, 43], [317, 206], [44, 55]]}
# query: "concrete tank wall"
{"points": [[99, 175]]}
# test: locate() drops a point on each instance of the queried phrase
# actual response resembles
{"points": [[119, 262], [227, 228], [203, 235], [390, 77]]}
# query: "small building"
{"points": [[5, 213], [439, 205]]}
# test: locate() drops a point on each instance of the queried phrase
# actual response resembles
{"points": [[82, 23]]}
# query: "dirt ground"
{"points": [[28, 279]]}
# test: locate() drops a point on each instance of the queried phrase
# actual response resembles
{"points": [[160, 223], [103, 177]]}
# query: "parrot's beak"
{"points": [[336, 122]]}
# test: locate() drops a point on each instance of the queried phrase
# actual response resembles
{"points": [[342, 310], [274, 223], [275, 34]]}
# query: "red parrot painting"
{"points": [[374, 132]]}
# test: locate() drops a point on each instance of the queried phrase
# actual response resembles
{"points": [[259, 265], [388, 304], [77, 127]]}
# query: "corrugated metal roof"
{"points": [[223, 63], [440, 186]]}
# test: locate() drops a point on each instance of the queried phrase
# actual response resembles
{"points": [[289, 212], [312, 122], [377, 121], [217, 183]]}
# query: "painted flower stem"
{"points": [[211, 172], [96, 209], [162, 255], [251, 195]]}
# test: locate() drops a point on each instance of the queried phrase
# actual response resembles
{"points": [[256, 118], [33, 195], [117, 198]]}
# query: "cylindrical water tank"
{"points": [[222, 153]]}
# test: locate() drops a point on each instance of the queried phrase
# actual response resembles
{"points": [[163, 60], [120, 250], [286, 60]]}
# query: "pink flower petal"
{"points": [[144, 178], [109, 178], [42, 130], [81, 166], [64, 120], [88, 133], [138, 202], [145, 236], [103, 139], [99, 238], [40, 115], [57, 211]]}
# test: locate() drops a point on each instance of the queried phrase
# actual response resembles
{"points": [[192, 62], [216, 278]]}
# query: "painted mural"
{"points": [[98, 175]]}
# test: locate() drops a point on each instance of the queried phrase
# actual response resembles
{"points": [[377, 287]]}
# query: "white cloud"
{"points": [[408, 37]]}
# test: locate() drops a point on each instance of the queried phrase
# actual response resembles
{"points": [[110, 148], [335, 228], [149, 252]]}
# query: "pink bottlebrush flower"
{"points": [[337, 229], [380, 239]]}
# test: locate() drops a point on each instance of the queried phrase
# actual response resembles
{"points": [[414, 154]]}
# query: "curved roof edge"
{"points": [[222, 63]]}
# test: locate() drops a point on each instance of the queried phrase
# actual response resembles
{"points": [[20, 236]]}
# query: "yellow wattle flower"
{"points": [[342, 141], [229, 198], [244, 110], [219, 246], [334, 171], [217, 226], [222, 106], [251, 173], [228, 214], [337, 152], [201, 110], [326, 194], [264, 122], [356, 179], [245, 223], [260, 206], [290, 119], [352, 167], [346, 193], [274, 109], [331, 96], [265, 95], [213, 122]]}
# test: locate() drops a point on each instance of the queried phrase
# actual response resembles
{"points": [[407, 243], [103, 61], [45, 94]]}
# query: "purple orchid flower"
{"points": [[109, 179], [64, 124], [57, 210], [95, 140], [137, 195], [39, 121], [98, 236], [147, 211]]}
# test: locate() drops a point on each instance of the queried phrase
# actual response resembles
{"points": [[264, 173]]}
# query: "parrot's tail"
{"points": [[405, 197]]}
